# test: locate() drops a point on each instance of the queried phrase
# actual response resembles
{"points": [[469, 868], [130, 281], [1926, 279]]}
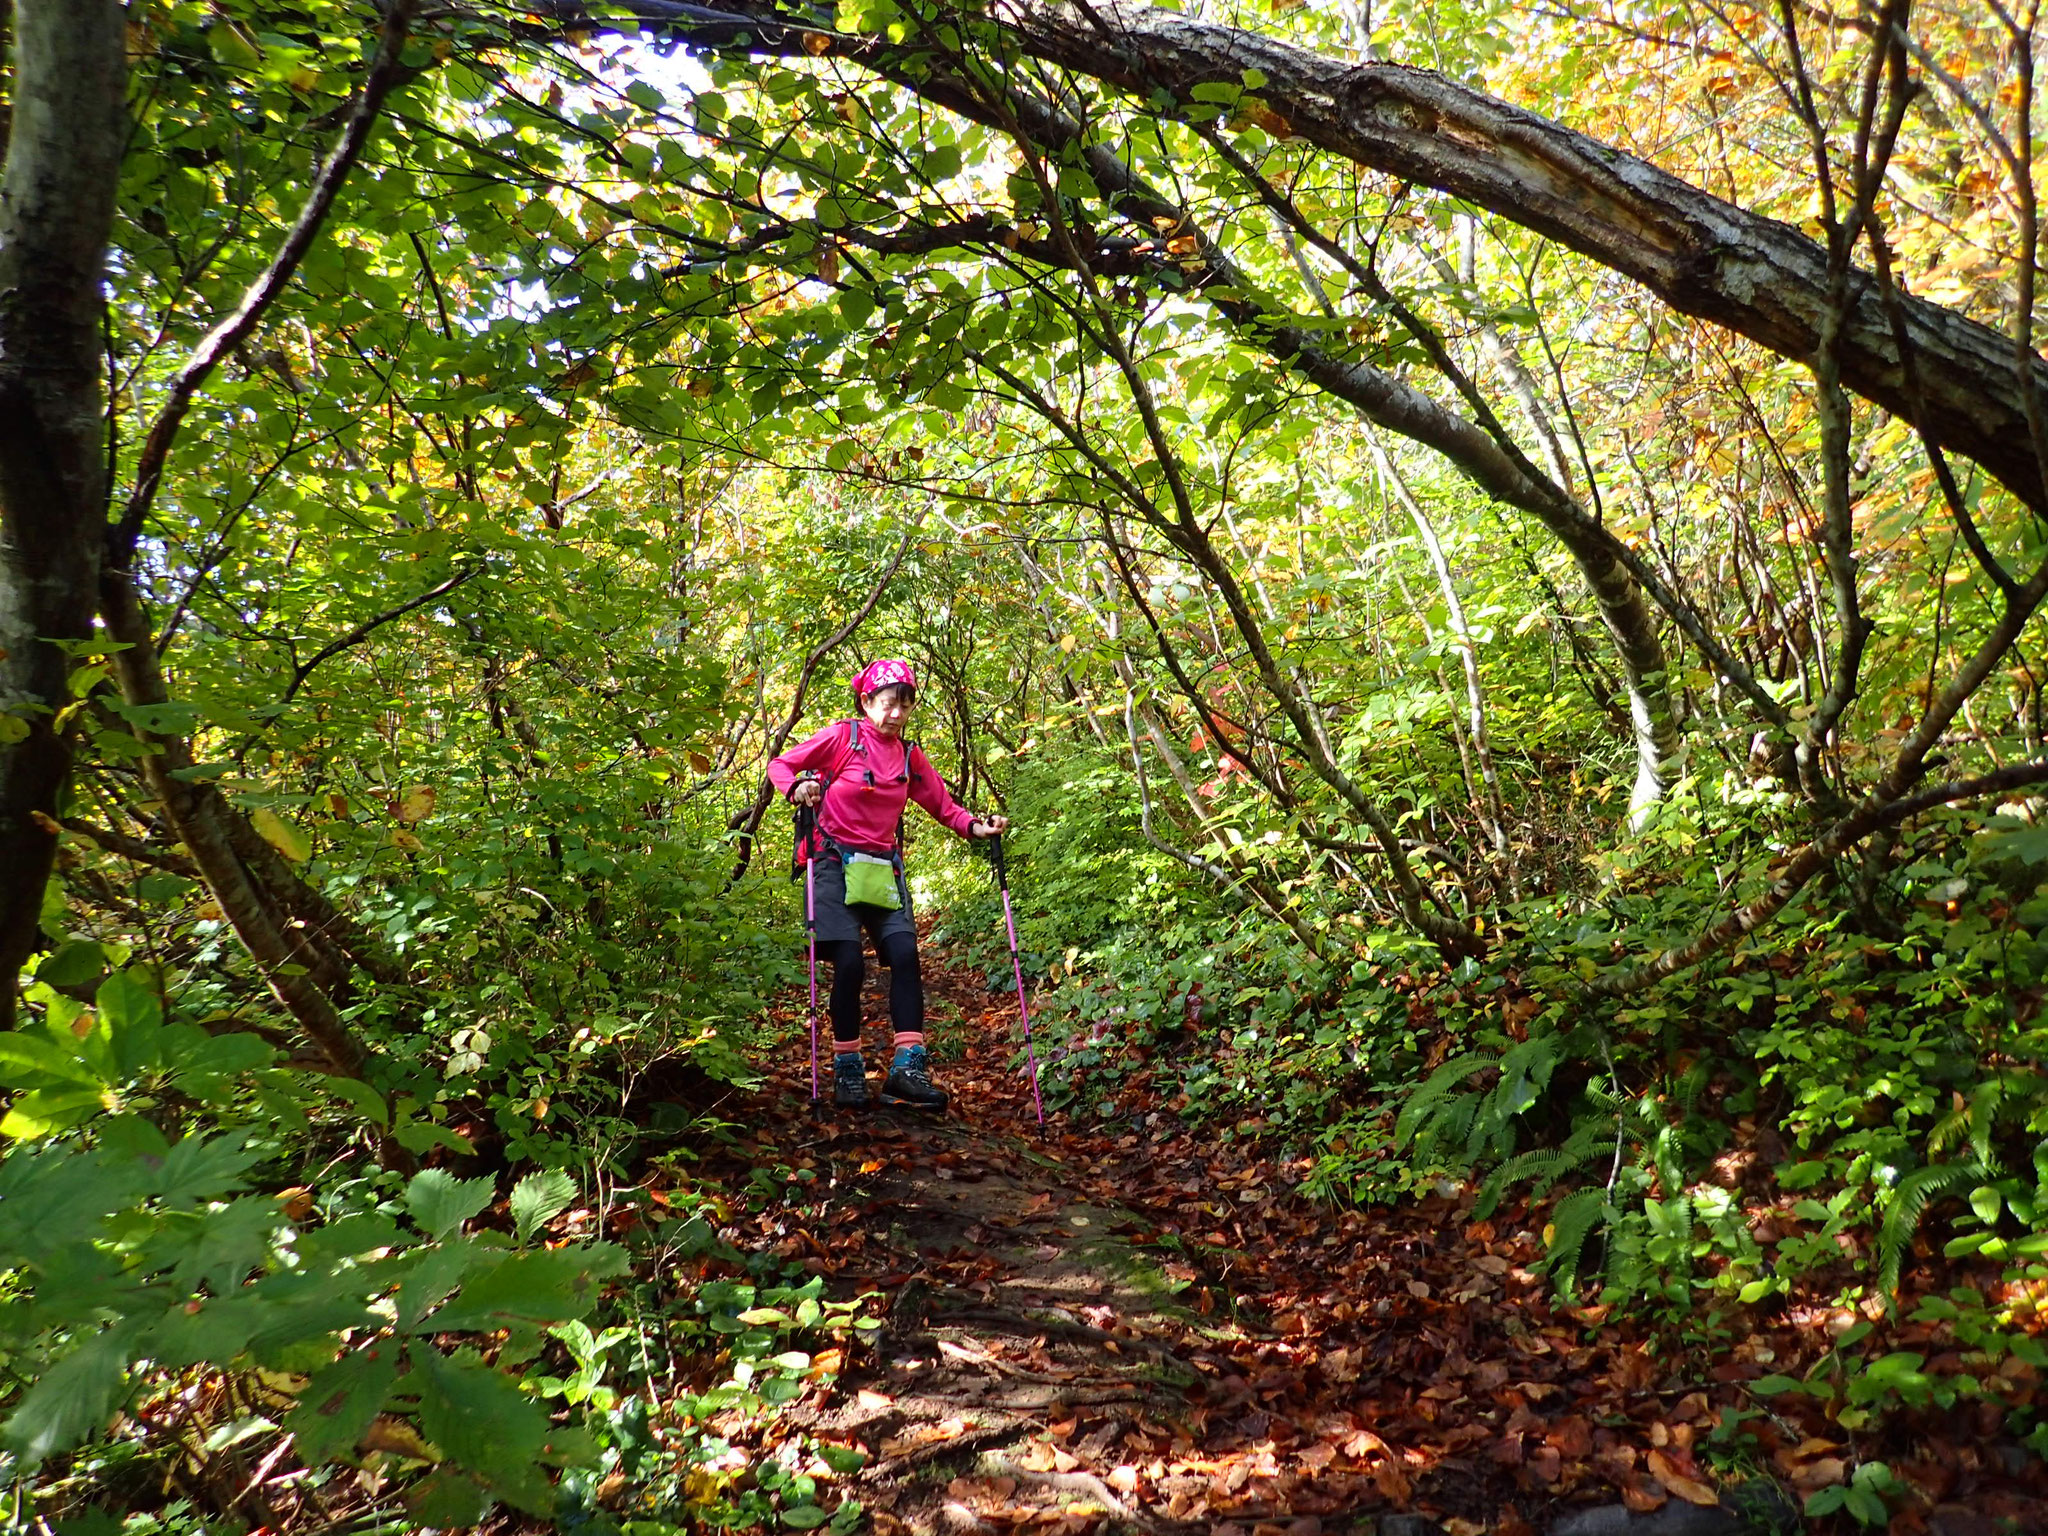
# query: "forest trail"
{"points": [[1139, 1330]]}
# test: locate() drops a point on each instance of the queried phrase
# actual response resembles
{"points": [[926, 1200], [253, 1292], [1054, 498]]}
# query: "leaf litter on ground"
{"points": [[1142, 1325]]}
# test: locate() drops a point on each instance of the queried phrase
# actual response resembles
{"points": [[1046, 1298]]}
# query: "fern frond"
{"points": [[1452, 1125], [1985, 1103], [1435, 1088], [1571, 1223], [1547, 1164], [1949, 1132], [1915, 1192], [1540, 1166], [1691, 1087]]}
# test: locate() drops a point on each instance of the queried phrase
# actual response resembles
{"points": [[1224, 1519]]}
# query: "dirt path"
{"points": [[1137, 1331]]}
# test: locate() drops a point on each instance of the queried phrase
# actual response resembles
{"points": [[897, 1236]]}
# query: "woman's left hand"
{"points": [[995, 826]]}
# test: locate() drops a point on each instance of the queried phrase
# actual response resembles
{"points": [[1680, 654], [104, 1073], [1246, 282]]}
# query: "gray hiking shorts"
{"points": [[837, 920]]}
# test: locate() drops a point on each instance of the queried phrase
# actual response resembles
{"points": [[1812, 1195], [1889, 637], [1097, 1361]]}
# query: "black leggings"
{"points": [[849, 971]]}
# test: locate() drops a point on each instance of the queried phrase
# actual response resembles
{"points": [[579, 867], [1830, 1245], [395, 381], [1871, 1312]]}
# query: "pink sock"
{"points": [[909, 1037], [846, 1047]]}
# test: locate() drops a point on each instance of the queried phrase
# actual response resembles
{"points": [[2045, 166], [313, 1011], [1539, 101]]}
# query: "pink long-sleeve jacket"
{"points": [[866, 787]]}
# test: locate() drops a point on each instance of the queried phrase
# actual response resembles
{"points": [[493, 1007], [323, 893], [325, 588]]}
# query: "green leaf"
{"points": [[362, 1098], [160, 885], [198, 1167], [227, 1054], [422, 1136], [127, 1001], [539, 1198], [1986, 1202], [440, 1202], [448, 1501], [1802, 1175], [26, 1059], [1771, 1386], [72, 1400], [73, 965], [843, 1458], [1865, 1505], [1825, 1501], [805, 1517], [545, 1285], [482, 1421], [133, 1016], [219, 1249], [432, 1278], [340, 1400], [159, 719], [46, 1110]]}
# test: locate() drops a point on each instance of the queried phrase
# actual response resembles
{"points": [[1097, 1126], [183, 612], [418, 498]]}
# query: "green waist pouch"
{"points": [[871, 882]]}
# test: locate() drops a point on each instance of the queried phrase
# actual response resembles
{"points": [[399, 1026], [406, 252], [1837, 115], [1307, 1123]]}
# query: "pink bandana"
{"points": [[884, 674]]}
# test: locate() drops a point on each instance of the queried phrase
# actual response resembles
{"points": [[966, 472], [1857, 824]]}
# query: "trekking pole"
{"points": [[1017, 970], [806, 823]]}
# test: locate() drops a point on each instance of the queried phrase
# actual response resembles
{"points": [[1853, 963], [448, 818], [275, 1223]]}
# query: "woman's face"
{"points": [[887, 709]]}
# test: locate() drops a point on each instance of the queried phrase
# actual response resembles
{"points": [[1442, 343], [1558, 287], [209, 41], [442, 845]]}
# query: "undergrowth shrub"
{"points": [[1868, 1083]]}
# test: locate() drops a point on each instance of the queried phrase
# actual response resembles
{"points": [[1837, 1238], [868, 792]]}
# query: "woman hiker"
{"points": [[858, 773]]}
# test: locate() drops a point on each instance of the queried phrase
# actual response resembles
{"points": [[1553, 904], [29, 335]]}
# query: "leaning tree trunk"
{"points": [[56, 214]]}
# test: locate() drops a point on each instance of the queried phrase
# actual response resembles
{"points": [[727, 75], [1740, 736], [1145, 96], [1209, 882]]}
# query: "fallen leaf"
{"points": [[1641, 1496], [1573, 1437], [1690, 1489], [1822, 1472]]}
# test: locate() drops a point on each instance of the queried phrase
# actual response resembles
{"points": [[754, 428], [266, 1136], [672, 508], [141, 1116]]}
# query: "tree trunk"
{"points": [[56, 213], [206, 824], [1702, 256]]}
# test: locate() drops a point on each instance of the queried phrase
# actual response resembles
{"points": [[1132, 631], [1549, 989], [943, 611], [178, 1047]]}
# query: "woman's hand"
{"points": [[808, 792], [995, 826]]}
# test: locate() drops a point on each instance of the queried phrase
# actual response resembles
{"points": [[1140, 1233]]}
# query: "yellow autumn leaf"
{"points": [[417, 803], [281, 835]]}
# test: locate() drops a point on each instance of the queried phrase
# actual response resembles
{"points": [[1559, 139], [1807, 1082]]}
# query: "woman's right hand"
{"points": [[809, 792]]}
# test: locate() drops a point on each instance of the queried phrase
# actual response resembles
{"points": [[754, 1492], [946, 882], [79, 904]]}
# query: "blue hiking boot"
{"points": [[910, 1081], [850, 1080]]}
